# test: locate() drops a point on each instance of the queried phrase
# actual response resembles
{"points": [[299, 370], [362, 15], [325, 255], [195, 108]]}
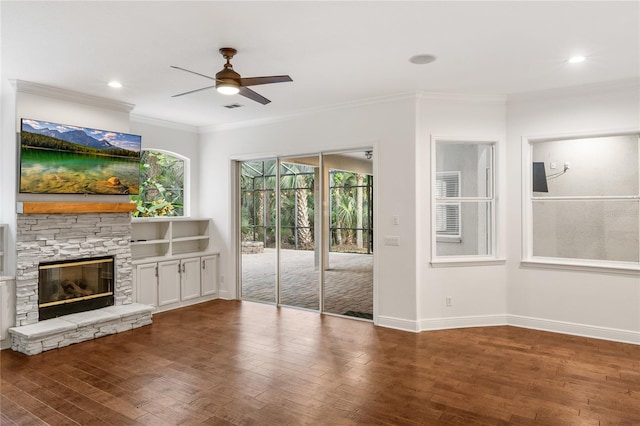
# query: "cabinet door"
{"points": [[209, 278], [147, 284], [190, 278], [168, 282]]}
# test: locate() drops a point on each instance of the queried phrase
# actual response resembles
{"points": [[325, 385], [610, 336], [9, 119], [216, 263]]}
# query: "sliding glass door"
{"points": [[348, 266], [306, 231], [258, 230], [299, 248]]}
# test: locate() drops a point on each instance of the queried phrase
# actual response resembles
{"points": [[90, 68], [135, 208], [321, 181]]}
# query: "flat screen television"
{"points": [[64, 159], [539, 178]]}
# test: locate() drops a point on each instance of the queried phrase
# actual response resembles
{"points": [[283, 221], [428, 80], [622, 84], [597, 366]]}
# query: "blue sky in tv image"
{"points": [[116, 139]]}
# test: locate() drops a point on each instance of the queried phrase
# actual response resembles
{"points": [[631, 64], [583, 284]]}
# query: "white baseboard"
{"points": [[584, 330], [563, 327], [397, 323], [462, 322], [225, 294]]}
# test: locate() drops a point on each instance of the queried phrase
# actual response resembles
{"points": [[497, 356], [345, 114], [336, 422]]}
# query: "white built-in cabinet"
{"points": [[209, 275], [3, 246], [7, 292], [173, 264]]}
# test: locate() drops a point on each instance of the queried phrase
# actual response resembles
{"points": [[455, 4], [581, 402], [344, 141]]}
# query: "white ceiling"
{"points": [[336, 52]]}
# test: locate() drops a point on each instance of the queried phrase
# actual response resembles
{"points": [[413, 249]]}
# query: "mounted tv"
{"points": [[64, 159], [539, 178]]}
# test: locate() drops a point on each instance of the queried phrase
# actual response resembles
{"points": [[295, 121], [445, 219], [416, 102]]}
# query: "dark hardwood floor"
{"points": [[241, 363]]}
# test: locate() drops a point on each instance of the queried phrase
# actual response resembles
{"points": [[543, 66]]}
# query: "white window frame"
{"points": [[492, 199], [528, 259]]}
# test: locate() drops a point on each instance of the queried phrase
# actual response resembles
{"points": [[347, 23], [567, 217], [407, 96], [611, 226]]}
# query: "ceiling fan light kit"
{"points": [[229, 82], [227, 89]]}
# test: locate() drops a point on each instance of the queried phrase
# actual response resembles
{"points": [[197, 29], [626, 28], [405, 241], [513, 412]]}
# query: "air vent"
{"points": [[232, 106]]}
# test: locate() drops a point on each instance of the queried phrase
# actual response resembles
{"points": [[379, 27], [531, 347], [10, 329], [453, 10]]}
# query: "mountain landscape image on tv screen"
{"points": [[63, 159]]}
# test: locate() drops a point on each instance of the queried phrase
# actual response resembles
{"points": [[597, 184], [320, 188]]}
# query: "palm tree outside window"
{"points": [[162, 185]]}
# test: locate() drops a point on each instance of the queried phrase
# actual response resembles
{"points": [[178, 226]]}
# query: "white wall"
{"points": [[180, 139], [478, 292], [387, 126], [591, 303], [8, 170]]}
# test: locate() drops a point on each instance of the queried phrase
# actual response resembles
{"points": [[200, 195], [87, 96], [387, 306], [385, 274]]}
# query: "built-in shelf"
{"points": [[38, 207], [198, 237], [168, 237], [148, 242]]}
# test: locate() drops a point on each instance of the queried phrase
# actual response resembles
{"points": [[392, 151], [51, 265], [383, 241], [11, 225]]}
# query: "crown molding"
{"points": [[311, 111], [629, 84], [463, 97], [29, 87], [142, 119]]}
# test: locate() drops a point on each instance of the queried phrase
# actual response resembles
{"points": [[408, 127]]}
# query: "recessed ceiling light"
{"points": [[576, 59], [115, 84], [422, 59]]}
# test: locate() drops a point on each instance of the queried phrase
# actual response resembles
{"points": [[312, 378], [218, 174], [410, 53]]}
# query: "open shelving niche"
{"points": [[158, 239]]}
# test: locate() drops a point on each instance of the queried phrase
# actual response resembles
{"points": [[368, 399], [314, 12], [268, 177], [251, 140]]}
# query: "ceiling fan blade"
{"points": [[248, 93], [254, 81], [192, 91], [193, 72]]}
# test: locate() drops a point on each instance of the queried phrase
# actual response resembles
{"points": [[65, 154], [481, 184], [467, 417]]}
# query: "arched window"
{"points": [[162, 184]]}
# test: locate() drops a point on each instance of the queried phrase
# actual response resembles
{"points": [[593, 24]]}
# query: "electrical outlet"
{"points": [[221, 279], [449, 301]]}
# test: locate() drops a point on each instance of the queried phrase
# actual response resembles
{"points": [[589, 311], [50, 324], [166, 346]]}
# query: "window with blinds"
{"points": [[463, 205], [447, 213]]}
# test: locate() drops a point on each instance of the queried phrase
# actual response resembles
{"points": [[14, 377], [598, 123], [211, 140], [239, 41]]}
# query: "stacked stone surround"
{"points": [[55, 237]]}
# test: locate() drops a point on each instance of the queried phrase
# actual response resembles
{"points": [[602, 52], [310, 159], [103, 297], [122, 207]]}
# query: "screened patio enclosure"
{"points": [[288, 257]]}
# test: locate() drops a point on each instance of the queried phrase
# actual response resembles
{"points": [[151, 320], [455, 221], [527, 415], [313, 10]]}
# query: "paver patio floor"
{"points": [[348, 280]]}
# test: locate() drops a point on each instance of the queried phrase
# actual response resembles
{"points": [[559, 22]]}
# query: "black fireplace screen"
{"points": [[66, 287]]}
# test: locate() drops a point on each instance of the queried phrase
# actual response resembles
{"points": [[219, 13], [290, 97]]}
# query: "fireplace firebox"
{"points": [[71, 286]]}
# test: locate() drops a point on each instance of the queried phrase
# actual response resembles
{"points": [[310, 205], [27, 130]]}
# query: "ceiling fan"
{"points": [[229, 82]]}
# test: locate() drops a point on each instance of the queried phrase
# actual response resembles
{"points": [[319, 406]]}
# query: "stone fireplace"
{"points": [[43, 238], [83, 241]]}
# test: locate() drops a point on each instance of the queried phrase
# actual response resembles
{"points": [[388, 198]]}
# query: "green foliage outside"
{"points": [[258, 203], [349, 206], [161, 186]]}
